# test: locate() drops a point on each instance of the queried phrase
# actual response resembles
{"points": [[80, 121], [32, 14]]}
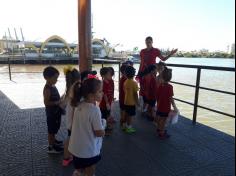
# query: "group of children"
{"points": [[87, 106]]}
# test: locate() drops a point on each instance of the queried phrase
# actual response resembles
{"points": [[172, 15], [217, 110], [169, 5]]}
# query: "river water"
{"points": [[31, 77]]}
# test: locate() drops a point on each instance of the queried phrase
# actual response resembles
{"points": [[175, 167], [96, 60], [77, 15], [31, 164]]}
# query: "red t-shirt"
{"points": [[148, 57], [164, 94], [150, 85], [121, 89], [108, 90]]}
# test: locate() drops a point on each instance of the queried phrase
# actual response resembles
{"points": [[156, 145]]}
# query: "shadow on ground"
{"points": [[191, 151]]}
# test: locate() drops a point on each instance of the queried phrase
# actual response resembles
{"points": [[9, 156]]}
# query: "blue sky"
{"points": [[183, 24]]}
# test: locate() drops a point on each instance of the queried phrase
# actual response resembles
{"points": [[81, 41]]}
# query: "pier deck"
{"points": [[191, 151]]}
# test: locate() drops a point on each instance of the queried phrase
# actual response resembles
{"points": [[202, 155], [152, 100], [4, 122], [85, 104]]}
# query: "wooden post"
{"points": [[85, 35]]}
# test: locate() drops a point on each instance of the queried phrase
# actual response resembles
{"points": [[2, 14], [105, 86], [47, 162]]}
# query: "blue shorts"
{"points": [[130, 110], [152, 103], [162, 114]]}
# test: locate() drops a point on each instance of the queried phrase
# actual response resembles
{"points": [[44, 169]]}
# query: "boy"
{"points": [[131, 97], [108, 97], [165, 95], [150, 85], [53, 110]]}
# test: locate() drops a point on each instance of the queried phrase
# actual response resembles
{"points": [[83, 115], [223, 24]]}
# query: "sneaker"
{"points": [[55, 150], [66, 162], [124, 128], [130, 130], [58, 142], [164, 136], [76, 173]]}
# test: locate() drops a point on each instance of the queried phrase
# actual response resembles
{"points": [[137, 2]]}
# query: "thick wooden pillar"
{"points": [[85, 35]]}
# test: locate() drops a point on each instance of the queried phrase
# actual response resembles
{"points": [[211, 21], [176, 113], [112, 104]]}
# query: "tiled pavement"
{"points": [[191, 151]]}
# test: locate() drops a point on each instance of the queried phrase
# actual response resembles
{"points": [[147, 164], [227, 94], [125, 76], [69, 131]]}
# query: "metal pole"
{"points": [[85, 35], [23, 39], [9, 68], [196, 95], [119, 73]]}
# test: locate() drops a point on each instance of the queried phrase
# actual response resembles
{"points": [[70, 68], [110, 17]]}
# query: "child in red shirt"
{"points": [[149, 87], [160, 68], [122, 95], [165, 99], [108, 96]]}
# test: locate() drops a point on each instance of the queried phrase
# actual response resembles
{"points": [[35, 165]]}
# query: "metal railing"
{"points": [[197, 86]]}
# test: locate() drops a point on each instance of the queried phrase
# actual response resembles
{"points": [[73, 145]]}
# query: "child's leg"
{"points": [[129, 120], [51, 139], [123, 118], [67, 154], [90, 171], [162, 125]]}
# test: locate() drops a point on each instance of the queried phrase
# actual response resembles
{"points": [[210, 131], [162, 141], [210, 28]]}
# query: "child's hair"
{"points": [[151, 68], [84, 74], [104, 71], [130, 72], [49, 72], [161, 64], [167, 74], [122, 68], [148, 70], [129, 63], [71, 78], [112, 71], [82, 90]]}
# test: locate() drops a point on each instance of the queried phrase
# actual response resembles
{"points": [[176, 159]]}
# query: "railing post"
{"points": [[196, 95], [9, 68], [119, 73]]}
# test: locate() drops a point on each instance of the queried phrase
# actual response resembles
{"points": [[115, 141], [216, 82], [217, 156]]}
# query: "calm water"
{"points": [[212, 79]]}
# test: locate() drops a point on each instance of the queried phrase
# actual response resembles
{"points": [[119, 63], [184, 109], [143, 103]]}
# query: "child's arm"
{"points": [[99, 133], [174, 105], [47, 102], [107, 102], [98, 125]]}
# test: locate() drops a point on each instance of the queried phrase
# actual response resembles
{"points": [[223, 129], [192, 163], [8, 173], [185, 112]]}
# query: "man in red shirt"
{"points": [[149, 55]]}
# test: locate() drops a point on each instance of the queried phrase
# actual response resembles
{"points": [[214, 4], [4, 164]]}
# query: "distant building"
{"points": [[54, 46]]}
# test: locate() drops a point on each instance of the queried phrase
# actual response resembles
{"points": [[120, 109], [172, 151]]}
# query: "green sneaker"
{"points": [[130, 130], [124, 128]]}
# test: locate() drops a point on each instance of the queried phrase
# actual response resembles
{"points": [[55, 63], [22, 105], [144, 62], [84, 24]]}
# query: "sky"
{"points": [[184, 24]]}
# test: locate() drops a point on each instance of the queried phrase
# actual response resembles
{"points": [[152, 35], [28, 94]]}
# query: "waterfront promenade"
{"points": [[191, 151]]}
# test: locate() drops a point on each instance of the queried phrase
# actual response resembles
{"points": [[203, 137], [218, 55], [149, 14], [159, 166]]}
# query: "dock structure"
{"points": [[195, 150]]}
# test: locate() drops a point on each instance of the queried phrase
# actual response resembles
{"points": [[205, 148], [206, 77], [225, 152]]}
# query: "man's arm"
{"points": [[165, 58]]}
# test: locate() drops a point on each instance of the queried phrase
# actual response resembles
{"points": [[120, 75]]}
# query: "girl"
{"points": [[72, 76], [122, 95], [88, 126], [165, 99]]}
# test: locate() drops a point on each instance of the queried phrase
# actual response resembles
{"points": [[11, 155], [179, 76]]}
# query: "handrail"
{"points": [[198, 88]]}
